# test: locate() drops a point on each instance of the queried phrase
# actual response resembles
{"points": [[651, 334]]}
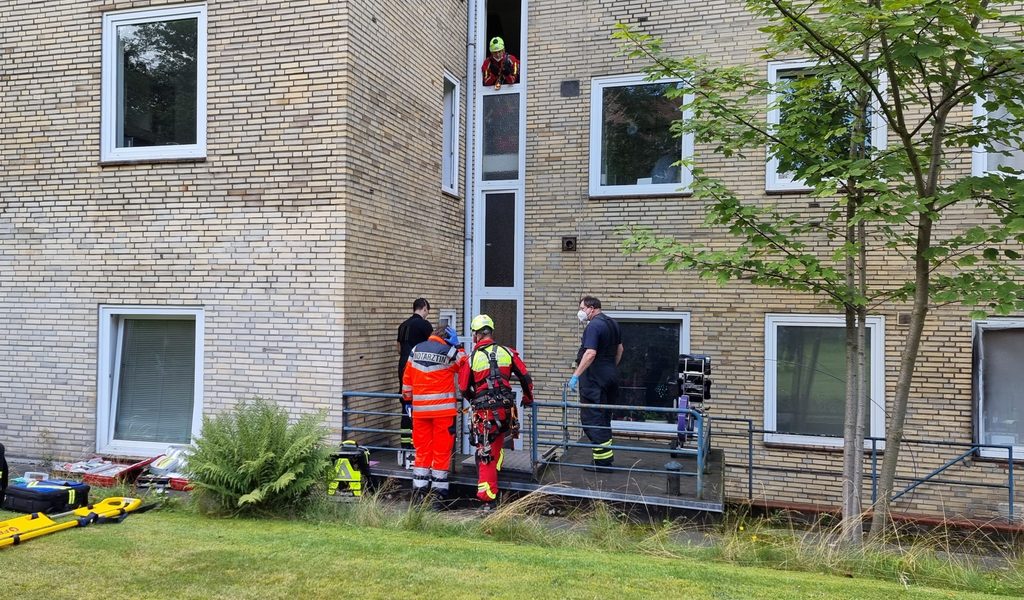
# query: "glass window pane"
{"points": [[648, 371], [449, 149], [501, 137], [836, 114], [503, 312], [1015, 157], [500, 240], [1002, 379], [810, 380], [157, 381], [637, 145], [157, 83]]}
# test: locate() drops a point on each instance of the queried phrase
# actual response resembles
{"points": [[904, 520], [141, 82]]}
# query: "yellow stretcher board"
{"points": [[26, 527]]}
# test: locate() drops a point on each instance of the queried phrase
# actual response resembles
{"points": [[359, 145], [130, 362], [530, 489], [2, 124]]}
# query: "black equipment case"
{"points": [[46, 496]]}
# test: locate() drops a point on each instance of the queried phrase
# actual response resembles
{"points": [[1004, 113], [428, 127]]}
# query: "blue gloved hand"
{"points": [[574, 383], [451, 336]]}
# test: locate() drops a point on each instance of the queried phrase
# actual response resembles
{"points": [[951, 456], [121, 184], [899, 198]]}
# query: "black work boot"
{"points": [[601, 467]]}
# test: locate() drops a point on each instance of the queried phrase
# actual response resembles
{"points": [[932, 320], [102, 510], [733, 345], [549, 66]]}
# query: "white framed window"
{"points": [[780, 74], [998, 379], [447, 317], [652, 342], [149, 378], [999, 155], [633, 150], [154, 84], [450, 137], [805, 379]]}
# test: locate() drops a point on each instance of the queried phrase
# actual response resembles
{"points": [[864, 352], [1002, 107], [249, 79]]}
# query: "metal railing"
{"points": [[556, 434], [701, 432], [969, 450]]}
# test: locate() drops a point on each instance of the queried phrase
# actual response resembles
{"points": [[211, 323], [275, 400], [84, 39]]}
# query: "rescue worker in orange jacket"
{"points": [[428, 384], [485, 380]]}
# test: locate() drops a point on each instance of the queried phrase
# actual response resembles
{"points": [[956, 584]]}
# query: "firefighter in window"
{"points": [[499, 67]]}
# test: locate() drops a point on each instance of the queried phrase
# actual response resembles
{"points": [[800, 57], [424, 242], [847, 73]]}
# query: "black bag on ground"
{"points": [[3, 474], [46, 496]]}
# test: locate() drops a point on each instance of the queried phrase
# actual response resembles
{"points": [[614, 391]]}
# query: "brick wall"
{"points": [[284, 215], [569, 40]]}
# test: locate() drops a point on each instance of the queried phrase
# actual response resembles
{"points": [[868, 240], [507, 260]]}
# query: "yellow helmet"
{"points": [[497, 44], [482, 322]]}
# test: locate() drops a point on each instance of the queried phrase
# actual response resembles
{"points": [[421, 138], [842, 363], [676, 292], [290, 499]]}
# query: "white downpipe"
{"points": [[470, 195]]}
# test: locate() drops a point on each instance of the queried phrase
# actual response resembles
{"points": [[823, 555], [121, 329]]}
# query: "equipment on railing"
{"points": [[694, 379]]}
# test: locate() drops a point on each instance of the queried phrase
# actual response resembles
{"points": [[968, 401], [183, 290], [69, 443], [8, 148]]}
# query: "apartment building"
{"points": [[265, 187]]}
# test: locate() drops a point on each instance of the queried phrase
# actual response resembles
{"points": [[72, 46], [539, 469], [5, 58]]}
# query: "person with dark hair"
{"points": [[414, 330], [485, 380], [597, 378], [428, 385]]}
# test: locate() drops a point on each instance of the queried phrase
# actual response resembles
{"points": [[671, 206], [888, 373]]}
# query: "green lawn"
{"points": [[173, 553]]}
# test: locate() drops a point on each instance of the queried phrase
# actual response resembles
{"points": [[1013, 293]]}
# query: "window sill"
{"points": [[639, 195], [1018, 458], [454, 194], [819, 448], [149, 161], [802, 191]]}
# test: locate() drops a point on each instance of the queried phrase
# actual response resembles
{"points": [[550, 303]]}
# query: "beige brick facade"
{"points": [[570, 40], [314, 221], [317, 217]]}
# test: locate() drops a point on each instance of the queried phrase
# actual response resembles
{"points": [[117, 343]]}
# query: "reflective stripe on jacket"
{"points": [[429, 379]]}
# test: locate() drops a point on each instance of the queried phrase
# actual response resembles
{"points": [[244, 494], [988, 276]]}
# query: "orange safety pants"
{"points": [[433, 438]]}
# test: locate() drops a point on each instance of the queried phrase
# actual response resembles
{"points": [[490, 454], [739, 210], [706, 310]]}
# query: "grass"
{"points": [[373, 549]]}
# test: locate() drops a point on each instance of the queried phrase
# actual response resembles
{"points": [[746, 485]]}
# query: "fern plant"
{"points": [[252, 460]]}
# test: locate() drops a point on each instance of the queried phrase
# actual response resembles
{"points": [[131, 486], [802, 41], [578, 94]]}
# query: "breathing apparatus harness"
{"points": [[487, 420]]}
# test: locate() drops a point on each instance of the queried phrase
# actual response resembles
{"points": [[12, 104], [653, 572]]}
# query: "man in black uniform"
{"points": [[597, 378], [414, 330]]}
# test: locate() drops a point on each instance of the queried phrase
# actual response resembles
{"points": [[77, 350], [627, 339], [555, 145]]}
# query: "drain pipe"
{"points": [[470, 137]]}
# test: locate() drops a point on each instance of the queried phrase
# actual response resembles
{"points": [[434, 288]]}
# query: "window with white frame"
{"points": [[805, 378], [998, 379], [154, 84], [648, 373], [150, 378], [782, 77], [633, 150], [450, 137], [998, 156]]}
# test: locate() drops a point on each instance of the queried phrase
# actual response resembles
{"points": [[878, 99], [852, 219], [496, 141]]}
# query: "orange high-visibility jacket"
{"points": [[429, 379]]}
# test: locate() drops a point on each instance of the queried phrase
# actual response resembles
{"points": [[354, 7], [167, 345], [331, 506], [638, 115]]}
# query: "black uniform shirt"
{"points": [[412, 331], [602, 334]]}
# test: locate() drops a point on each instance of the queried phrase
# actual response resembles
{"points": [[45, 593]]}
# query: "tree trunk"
{"points": [[908, 360], [852, 531]]}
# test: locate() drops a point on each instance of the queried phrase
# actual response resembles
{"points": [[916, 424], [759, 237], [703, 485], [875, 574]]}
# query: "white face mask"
{"points": [[582, 316]]}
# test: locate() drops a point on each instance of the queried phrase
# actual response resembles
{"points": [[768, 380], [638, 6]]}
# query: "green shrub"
{"points": [[252, 460]]}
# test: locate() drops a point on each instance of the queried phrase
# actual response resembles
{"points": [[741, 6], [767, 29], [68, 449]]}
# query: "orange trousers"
{"points": [[433, 438]]}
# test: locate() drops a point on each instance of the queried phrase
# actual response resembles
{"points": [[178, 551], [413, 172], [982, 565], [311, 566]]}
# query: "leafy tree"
{"points": [[918, 66]]}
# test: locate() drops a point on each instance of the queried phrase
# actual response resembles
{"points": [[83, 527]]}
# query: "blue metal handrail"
{"points": [[913, 482], [701, 432], [539, 426]]}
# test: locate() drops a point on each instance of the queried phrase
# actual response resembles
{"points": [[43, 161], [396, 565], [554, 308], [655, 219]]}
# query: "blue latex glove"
{"points": [[451, 336], [574, 383]]}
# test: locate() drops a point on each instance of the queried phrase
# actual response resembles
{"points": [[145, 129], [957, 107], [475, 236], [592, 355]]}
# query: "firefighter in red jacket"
{"points": [[499, 67], [428, 384], [485, 380]]}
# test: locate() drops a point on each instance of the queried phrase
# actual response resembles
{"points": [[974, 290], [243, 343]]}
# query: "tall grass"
{"points": [[941, 558]]}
